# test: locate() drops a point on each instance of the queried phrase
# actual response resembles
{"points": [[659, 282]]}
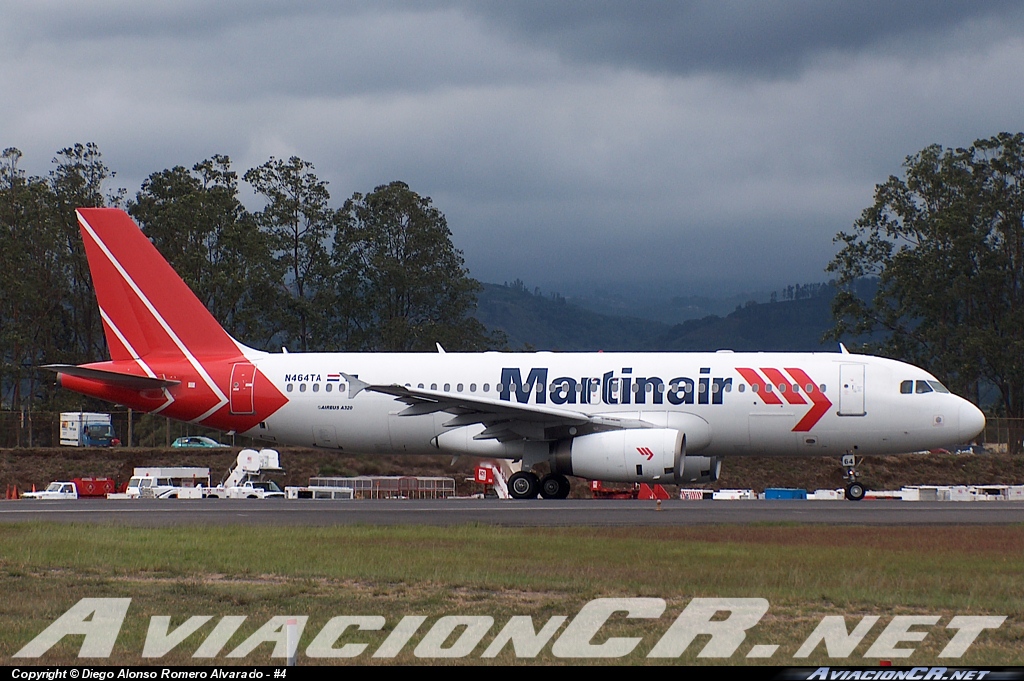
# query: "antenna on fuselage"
{"points": [[843, 350], [440, 349]]}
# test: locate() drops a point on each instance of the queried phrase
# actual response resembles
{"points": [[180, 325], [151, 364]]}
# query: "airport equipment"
{"points": [[86, 429]]}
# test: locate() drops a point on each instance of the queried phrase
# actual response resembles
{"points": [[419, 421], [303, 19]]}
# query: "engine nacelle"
{"points": [[700, 469], [634, 455]]}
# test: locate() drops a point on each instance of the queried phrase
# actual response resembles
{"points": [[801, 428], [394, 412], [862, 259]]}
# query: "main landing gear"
{"points": [[525, 485], [854, 490]]}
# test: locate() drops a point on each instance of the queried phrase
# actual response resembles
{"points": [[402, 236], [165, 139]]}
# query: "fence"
{"points": [[42, 429]]}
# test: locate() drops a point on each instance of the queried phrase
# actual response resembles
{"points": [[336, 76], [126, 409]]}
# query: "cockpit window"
{"points": [[923, 387], [906, 387], [939, 388]]}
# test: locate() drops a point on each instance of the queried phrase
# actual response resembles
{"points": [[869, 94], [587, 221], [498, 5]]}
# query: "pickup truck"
{"points": [[55, 490], [79, 488]]}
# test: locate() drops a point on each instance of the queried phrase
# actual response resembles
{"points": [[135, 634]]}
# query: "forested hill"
{"points": [[550, 322], [790, 325]]}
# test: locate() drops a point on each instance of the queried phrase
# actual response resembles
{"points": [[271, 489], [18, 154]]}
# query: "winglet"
{"points": [[355, 386]]}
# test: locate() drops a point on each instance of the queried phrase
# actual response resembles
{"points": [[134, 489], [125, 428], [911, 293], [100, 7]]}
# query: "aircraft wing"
{"points": [[502, 420]]}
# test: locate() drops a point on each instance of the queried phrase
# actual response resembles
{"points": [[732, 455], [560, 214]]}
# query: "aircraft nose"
{"points": [[972, 421]]}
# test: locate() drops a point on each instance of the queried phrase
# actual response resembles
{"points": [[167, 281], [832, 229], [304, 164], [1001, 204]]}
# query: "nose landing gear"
{"points": [[854, 490]]}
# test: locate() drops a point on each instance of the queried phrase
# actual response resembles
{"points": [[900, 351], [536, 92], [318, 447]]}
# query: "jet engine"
{"points": [[634, 455]]}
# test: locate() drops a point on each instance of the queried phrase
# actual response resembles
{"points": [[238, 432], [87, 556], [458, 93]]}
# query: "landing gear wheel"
{"points": [[554, 486], [523, 485], [855, 491]]}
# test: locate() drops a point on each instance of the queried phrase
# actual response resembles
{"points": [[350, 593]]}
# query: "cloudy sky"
{"points": [[692, 147]]}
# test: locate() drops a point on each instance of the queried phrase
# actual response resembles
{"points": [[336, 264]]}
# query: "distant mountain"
{"points": [[790, 325], [550, 322], [663, 308]]}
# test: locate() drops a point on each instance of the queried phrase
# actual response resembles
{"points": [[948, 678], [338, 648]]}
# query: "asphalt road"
{"points": [[539, 513]]}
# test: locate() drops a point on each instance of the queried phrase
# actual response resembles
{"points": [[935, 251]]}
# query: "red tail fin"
{"points": [[147, 309]]}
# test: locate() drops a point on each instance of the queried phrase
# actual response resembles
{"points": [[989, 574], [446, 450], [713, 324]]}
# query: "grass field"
{"points": [[805, 573]]}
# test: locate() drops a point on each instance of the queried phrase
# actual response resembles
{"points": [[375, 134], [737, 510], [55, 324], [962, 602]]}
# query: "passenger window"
{"points": [[458, 388], [316, 387], [328, 387], [472, 387], [447, 387], [420, 386], [289, 387], [302, 387], [809, 388], [906, 387], [487, 387], [433, 386]]}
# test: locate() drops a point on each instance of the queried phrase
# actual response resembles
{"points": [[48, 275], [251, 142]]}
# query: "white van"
{"points": [[168, 483]]}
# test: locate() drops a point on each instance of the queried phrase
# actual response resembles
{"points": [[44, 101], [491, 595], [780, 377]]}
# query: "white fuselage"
{"points": [[730, 404]]}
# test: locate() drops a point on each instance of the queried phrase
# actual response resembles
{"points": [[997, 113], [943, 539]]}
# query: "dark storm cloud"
{"points": [[697, 144], [739, 36]]}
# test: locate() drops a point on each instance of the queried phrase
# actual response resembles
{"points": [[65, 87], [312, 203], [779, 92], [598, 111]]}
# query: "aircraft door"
{"points": [[240, 393], [851, 390]]}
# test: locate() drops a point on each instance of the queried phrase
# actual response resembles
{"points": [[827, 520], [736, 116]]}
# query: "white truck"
{"points": [[243, 481], [180, 482], [55, 490], [77, 488], [86, 429]]}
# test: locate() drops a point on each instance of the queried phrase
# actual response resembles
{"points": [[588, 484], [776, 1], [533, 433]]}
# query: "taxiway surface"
{"points": [[561, 513]]}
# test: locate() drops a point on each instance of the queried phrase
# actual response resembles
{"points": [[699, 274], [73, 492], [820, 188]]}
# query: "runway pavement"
{"points": [[539, 513]]}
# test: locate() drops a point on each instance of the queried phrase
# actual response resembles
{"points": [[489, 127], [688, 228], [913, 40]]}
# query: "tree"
{"points": [[31, 281], [946, 244], [196, 221], [78, 181], [300, 224], [410, 282]]}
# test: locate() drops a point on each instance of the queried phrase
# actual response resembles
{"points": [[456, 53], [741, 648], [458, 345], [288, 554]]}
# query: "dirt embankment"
{"points": [[27, 467]]}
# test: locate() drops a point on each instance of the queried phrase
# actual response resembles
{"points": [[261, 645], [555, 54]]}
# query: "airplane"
{"points": [[616, 417]]}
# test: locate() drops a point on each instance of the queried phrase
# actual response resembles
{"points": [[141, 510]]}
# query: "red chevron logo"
{"points": [[645, 452], [797, 388]]}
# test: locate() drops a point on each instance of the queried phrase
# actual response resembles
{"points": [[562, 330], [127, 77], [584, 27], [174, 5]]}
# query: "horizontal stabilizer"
{"points": [[124, 380]]}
